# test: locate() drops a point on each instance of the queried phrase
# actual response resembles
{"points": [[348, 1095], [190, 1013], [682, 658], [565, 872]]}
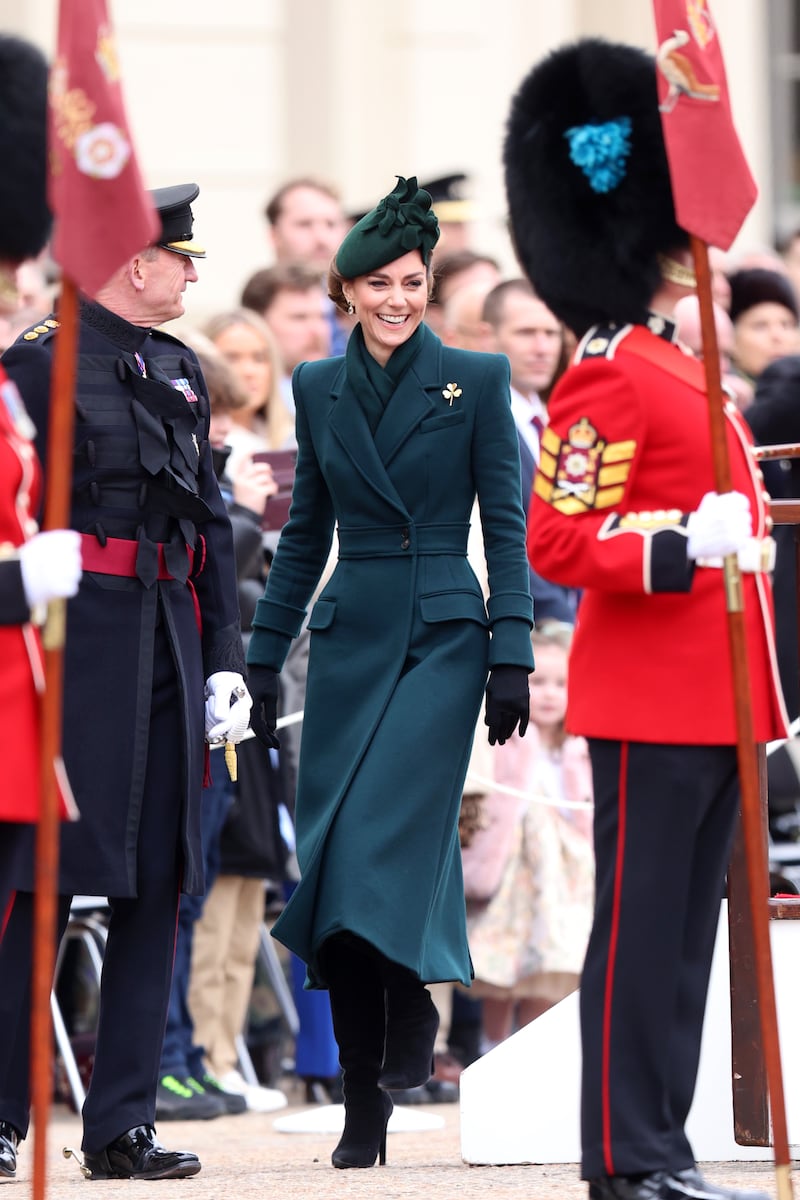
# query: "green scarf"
{"points": [[373, 384]]}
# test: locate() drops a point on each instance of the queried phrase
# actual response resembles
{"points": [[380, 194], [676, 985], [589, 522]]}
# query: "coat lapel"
{"points": [[348, 424], [413, 399], [410, 404]]}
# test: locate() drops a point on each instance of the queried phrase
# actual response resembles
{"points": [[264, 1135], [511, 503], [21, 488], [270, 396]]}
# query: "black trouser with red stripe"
{"points": [[663, 827]]}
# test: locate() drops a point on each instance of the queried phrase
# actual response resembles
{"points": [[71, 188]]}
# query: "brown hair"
{"points": [[448, 266], [263, 286], [495, 302], [274, 206]]}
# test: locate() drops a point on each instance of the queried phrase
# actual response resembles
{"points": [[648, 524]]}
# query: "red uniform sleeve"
{"points": [[584, 528]]}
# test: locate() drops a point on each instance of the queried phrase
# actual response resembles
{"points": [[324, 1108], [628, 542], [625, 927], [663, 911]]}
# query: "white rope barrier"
{"points": [[489, 785]]}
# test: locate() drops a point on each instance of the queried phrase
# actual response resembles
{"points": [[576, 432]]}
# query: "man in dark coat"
{"points": [[155, 617]]}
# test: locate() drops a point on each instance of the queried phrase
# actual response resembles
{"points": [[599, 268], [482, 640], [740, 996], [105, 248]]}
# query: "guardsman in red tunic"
{"points": [[34, 567], [623, 507]]}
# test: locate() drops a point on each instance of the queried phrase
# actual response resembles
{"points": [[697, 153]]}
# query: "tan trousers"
{"points": [[223, 965], [443, 999]]}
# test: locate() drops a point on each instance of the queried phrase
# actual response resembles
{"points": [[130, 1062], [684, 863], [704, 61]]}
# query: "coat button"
{"points": [[405, 541]]}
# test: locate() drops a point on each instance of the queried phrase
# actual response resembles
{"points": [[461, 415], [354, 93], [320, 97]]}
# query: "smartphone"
{"points": [[276, 510]]}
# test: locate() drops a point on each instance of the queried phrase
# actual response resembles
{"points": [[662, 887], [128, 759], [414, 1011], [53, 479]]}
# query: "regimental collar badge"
{"points": [[662, 327]]}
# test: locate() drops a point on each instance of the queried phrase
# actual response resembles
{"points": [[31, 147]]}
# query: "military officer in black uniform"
{"points": [[156, 619]]}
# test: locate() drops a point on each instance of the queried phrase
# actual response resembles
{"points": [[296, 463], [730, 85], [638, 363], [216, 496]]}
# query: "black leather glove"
{"points": [[262, 684], [507, 702]]}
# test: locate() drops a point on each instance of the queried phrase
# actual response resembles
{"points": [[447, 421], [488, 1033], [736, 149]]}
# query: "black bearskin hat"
{"points": [[588, 185], [24, 215]]}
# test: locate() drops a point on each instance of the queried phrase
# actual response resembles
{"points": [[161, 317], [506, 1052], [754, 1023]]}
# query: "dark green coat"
{"points": [[400, 644]]}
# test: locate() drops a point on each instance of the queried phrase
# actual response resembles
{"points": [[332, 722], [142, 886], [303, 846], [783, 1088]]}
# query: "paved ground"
{"points": [[244, 1158]]}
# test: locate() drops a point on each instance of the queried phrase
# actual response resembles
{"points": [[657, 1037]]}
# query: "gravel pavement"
{"points": [[244, 1158]]}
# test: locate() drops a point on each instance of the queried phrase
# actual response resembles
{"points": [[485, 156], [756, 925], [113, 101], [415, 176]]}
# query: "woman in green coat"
{"points": [[395, 440]]}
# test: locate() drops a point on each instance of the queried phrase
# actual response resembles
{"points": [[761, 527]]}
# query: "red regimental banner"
{"points": [[712, 186], [103, 214]]}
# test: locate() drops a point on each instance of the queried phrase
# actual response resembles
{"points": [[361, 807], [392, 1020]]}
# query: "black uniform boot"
{"points": [[358, 1008]]}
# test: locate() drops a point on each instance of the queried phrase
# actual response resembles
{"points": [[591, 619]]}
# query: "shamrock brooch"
{"points": [[451, 392]]}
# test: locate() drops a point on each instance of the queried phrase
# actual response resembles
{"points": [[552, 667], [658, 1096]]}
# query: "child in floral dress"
{"points": [[529, 872]]}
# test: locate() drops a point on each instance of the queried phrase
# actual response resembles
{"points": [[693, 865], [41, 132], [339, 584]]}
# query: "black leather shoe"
{"points": [[690, 1185], [9, 1140], [138, 1154]]}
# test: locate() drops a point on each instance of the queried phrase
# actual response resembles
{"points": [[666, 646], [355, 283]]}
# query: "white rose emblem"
{"points": [[102, 151]]}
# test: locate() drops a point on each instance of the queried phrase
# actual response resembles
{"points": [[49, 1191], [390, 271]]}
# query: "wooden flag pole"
{"points": [[58, 486], [752, 826]]}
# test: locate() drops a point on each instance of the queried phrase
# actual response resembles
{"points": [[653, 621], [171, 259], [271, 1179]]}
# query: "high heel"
{"points": [[411, 1027], [366, 1119], [359, 1021]]}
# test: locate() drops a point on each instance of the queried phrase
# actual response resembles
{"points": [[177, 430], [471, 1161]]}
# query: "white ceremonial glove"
{"points": [[228, 705], [51, 565], [721, 525]]}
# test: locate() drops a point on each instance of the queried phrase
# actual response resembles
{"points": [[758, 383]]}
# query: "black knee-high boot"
{"points": [[358, 1008], [412, 1023]]}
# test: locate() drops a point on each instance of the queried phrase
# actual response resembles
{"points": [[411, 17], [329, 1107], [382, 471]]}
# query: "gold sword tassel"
{"points": [[230, 761]]}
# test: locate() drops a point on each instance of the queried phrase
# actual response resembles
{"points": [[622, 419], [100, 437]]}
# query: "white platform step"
{"points": [[520, 1102]]}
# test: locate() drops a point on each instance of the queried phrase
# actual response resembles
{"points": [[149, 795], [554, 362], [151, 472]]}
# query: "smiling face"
{"points": [[389, 303]]}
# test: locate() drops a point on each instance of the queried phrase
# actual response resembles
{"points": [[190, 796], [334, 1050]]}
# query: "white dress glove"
{"points": [[228, 705], [51, 565], [721, 525]]}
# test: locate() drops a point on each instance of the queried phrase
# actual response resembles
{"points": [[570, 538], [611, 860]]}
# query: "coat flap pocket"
{"points": [[322, 614], [453, 606], [442, 421]]}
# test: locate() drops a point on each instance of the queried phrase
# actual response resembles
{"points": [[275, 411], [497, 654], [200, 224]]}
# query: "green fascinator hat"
{"points": [[401, 221]]}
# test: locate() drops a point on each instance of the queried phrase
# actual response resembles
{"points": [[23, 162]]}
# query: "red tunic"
{"points": [[626, 457], [21, 659]]}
